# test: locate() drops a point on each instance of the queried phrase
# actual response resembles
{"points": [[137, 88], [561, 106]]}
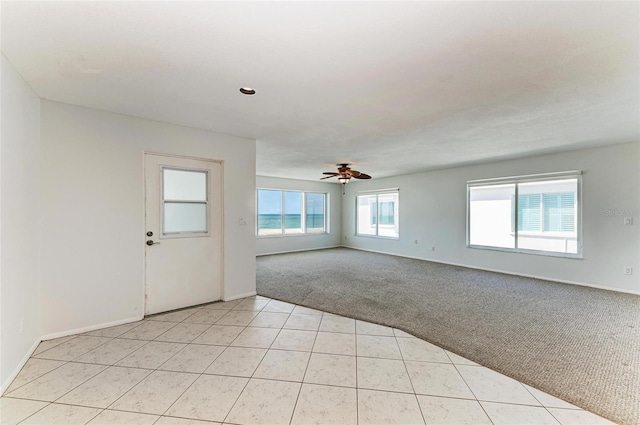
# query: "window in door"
{"points": [[185, 202]]}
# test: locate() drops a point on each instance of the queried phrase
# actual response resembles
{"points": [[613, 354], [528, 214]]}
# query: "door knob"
{"points": [[150, 242]]}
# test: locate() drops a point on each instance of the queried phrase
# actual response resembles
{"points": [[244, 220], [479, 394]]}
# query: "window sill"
{"points": [[568, 255], [548, 235], [396, 238], [292, 235]]}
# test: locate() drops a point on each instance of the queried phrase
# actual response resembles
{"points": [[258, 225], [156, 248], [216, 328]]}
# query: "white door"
{"points": [[183, 235]]}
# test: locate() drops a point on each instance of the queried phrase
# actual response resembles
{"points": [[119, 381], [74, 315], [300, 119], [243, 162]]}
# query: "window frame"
{"points": [[516, 180], [303, 214], [163, 202], [377, 194]]}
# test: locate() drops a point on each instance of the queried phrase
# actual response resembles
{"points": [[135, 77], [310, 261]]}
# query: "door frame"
{"points": [[143, 236]]}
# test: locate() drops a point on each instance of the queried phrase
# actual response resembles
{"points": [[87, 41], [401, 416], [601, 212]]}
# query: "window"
{"points": [[270, 219], [538, 214], [377, 214], [286, 212], [293, 213], [184, 202], [315, 212]]}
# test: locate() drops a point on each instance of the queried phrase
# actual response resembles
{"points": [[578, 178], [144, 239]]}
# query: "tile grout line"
{"points": [[152, 370], [552, 415], [51, 348], [80, 355], [117, 398], [72, 389], [293, 412], [472, 392], [146, 342], [467, 384], [265, 355], [534, 406], [67, 362], [325, 385], [8, 393], [415, 395], [181, 394], [254, 371], [154, 338], [106, 409], [42, 408], [161, 370], [541, 403], [357, 387], [134, 386], [201, 374]]}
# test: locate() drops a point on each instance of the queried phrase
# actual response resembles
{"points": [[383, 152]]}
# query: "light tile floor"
{"points": [[262, 361]]}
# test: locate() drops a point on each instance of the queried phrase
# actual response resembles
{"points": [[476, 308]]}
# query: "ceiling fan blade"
{"points": [[345, 172], [362, 176]]}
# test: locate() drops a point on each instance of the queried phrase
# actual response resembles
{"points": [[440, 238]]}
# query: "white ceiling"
{"points": [[391, 87]]}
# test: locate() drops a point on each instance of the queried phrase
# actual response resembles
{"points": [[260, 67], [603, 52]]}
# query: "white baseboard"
{"points": [[237, 297], [570, 282], [6, 384], [300, 250], [90, 328]]}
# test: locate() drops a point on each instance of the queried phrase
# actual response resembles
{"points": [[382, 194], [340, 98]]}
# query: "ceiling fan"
{"points": [[344, 174]]}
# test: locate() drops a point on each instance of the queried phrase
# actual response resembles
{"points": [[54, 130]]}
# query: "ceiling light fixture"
{"points": [[344, 179], [247, 90]]}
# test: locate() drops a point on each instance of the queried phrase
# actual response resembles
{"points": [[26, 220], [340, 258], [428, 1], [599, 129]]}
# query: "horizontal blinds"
{"points": [[386, 212], [559, 212], [529, 212]]}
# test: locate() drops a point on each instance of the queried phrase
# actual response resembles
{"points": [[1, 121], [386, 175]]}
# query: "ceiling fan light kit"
{"points": [[344, 174]]}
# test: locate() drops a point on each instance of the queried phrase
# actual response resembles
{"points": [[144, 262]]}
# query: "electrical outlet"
{"points": [[242, 221], [628, 271]]}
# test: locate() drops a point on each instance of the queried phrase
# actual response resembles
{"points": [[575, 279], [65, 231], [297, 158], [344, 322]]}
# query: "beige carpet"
{"points": [[577, 343]]}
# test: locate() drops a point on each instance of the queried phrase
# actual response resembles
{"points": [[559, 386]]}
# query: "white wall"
{"points": [[93, 203], [20, 224], [433, 212], [272, 245]]}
